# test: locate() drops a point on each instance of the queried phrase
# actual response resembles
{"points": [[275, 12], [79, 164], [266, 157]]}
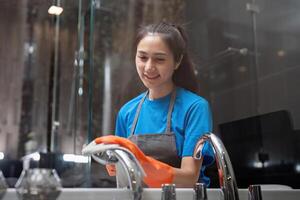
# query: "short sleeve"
{"points": [[198, 122]]}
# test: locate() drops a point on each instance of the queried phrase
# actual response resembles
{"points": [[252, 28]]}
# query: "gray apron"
{"points": [[161, 146]]}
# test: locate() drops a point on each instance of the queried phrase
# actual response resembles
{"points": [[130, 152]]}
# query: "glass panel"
{"points": [[278, 29], [252, 86]]}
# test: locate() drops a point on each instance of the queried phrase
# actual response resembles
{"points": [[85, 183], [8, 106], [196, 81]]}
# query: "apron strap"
{"points": [[137, 114], [170, 110], [171, 106]]}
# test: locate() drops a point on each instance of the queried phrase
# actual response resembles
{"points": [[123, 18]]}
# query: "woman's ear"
{"points": [[179, 62]]}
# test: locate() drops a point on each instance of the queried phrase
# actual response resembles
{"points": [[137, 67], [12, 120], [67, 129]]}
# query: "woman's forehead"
{"points": [[154, 41], [153, 45]]}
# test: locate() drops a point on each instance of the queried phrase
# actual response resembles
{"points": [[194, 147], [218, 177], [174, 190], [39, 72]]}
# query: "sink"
{"points": [[154, 194]]}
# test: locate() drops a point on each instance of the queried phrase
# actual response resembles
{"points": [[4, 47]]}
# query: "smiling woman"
{"points": [[166, 121]]}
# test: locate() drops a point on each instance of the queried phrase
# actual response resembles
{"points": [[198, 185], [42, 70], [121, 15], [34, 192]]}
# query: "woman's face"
{"points": [[155, 62]]}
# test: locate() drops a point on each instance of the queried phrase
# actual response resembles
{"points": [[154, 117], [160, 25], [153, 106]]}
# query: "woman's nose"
{"points": [[149, 65]]}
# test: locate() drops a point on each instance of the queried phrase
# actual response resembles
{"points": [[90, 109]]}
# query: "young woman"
{"points": [[167, 120]]}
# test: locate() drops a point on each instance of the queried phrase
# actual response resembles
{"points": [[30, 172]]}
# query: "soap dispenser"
{"points": [[40, 181]]}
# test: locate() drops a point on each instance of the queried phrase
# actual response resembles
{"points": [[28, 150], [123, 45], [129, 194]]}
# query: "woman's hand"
{"points": [[157, 173]]}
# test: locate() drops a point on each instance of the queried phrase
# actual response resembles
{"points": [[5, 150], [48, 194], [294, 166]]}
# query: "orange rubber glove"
{"points": [[157, 173]]}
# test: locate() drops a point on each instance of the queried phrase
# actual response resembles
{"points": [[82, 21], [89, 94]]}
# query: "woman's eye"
{"points": [[142, 58], [160, 59]]}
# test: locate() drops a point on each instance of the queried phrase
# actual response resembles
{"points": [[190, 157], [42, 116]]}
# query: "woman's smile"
{"points": [[151, 77]]}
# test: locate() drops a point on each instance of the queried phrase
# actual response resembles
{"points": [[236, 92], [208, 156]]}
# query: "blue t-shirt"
{"points": [[191, 118]]}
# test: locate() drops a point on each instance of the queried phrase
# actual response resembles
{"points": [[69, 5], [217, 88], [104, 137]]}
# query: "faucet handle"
{"points": [[200, 191], [168, 192], [254, 192]]}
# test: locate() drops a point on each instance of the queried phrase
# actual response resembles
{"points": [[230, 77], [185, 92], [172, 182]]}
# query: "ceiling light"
{"points": [[55, 10]]}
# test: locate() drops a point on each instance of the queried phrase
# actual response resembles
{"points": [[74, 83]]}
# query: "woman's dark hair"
{"points": [[176, 39]]}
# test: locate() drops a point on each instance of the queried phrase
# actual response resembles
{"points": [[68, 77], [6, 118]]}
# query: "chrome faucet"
{"points": [[254, 192], [226, 175], [129, 172]]}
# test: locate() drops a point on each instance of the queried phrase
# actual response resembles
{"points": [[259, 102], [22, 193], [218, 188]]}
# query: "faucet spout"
{"points": [[129, 172], [225, 171]]}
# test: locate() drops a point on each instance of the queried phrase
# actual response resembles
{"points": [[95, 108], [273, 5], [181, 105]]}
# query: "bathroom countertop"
{"points": [[154, 194]]}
